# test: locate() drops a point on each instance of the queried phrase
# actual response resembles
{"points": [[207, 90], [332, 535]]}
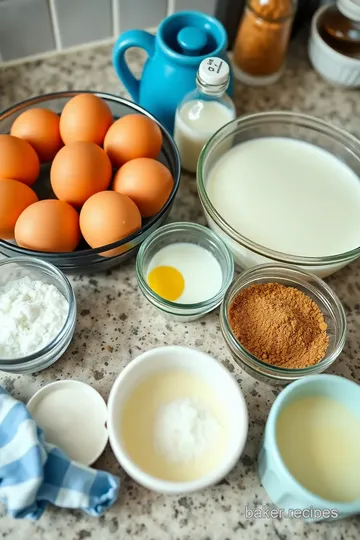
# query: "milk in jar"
{"points": [[203, 111]]}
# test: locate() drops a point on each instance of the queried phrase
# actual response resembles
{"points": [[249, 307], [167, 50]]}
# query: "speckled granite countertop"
{"points": [[115, 323]]}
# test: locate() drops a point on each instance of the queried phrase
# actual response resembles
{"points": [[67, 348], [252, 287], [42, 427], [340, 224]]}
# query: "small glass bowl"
{"points": [[183, 232], [309, 284], [17, 268]]}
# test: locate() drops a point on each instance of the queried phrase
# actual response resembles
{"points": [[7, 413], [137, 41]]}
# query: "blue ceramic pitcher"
{"points": [[183, 40]]}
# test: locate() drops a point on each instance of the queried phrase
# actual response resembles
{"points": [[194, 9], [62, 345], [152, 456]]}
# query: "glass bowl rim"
{"points": [[173, 307], [90, 251], [320, 285], [288, 118], [55, 272]]}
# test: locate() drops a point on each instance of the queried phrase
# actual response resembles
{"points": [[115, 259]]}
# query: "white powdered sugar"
{"points": [[32, 313], [185, 429]]}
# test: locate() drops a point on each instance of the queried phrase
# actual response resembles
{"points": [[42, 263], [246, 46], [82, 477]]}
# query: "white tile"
{"points": [[206, 6], [25, 28], [140, 14], [83, 21]]}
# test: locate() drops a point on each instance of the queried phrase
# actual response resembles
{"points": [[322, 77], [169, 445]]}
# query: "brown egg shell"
{"points": [[131, 137], [18, 160], [109, 217], [50, 226]]}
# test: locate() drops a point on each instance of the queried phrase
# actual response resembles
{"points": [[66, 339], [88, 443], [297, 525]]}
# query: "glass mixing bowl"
{"points": [[274, 124], [84, 258], [313, 287]]}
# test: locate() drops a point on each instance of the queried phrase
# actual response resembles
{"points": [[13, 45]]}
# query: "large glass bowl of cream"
{"points": [[283, 187]]}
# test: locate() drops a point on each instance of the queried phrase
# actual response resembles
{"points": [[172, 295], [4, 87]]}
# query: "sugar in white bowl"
{"points": [[222, 411]]}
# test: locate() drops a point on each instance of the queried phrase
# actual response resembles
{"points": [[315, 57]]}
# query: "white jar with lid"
{"points": [[203, 111]]}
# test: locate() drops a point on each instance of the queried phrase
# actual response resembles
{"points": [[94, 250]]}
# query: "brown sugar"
{"points": [[279, 325]]}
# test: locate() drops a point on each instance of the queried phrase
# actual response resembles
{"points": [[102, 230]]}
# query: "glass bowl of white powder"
{"points": [[37, 314]]}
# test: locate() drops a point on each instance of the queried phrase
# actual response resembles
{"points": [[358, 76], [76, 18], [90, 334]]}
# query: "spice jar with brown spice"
{"points": [[262, 40]]}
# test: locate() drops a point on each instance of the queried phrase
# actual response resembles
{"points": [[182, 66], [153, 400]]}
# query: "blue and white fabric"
{"points": [[34, 473]]}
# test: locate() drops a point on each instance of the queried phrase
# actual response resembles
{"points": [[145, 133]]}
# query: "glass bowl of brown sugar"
{"points": [[282, 323]]}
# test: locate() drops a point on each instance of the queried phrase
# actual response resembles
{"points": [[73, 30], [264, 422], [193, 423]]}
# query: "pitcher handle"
{"points": [[131, 38]]}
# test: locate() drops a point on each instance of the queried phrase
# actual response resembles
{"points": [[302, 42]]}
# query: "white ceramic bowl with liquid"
{"points": [[281, 486], [215, 375], [336, 68]]}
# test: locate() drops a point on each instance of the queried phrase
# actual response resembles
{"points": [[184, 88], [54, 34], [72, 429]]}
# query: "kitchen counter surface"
{"points": [[115, 323]]}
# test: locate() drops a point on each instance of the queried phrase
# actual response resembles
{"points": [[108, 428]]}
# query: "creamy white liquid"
{"points": [[289, 196], [195, 123], [140, 421], [319, 442]]}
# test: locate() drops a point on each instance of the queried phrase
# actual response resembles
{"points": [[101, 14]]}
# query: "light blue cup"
{"points": [[280, 485], [182, 41]]}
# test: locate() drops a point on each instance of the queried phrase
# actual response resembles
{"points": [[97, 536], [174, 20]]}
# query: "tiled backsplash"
{"points": [[32, 27]]}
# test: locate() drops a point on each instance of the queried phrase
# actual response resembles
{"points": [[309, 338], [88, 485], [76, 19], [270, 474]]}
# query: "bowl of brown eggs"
{"points": [[85, 177]]}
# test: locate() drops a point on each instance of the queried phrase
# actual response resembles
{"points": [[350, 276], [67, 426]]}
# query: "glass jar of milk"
{"points": [[203, 111]]}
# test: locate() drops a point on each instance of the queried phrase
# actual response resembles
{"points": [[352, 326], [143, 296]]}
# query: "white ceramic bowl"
{"points": [[201, 365], [333, 66]]}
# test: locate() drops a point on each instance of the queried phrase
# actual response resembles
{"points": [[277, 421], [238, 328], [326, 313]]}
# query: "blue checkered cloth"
{"points": [[34, 473]]}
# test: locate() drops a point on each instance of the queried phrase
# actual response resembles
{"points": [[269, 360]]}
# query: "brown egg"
{"points": [[147, 182], [49, 225], [40, 128], [14, 198], [131, 137], [79, 170], [108, 217], [85, 118], [18, 160]]}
